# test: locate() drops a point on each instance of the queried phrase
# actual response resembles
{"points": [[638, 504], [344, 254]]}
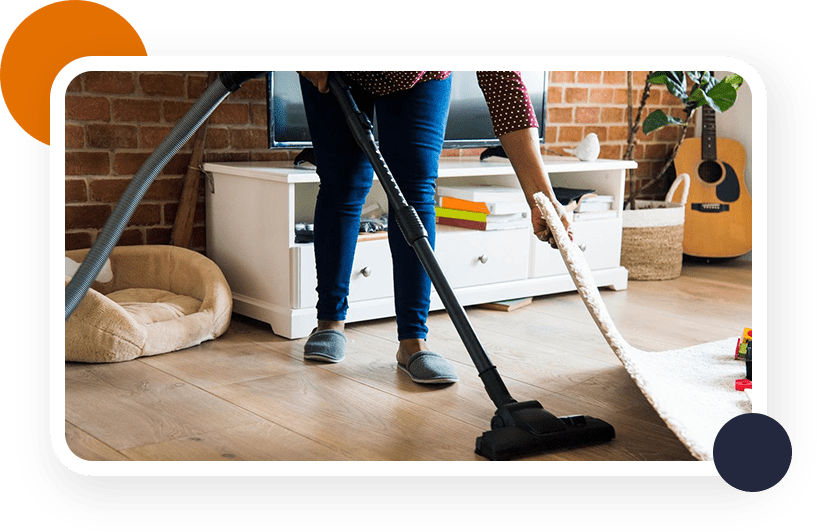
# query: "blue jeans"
{"points": [[411, 128]]}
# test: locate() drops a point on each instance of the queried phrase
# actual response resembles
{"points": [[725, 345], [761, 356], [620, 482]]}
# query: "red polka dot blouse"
{"points": [[505, 93]]}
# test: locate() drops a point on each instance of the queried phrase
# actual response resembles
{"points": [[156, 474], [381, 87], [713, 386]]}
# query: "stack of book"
{"points": [[482, 207], [585, 204]]}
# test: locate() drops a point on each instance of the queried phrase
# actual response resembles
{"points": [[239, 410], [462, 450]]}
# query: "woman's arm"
{"points": [[522, 148]]}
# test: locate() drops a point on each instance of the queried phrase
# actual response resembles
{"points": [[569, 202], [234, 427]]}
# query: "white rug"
{"points": [[692, 389]]}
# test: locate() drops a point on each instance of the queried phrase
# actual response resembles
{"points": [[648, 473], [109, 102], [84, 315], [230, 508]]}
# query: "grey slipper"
{"points": [[426, 367], [328, 345]]}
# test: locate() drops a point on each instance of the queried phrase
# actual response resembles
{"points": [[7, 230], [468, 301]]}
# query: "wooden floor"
{"points": [[249, 395]]}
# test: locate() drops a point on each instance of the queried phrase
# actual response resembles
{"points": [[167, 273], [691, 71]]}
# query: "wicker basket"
{"points": [[653, 235]]}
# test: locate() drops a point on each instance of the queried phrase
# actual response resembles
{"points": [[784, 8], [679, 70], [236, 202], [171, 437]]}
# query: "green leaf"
{"points": [[734, 80], [701, 77], [723, 96], [674, 80], [657, 120], [699, 97], [657, 78]]}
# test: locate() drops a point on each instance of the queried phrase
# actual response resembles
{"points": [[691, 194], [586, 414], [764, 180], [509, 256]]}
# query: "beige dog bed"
{"points": [[148, 300]]}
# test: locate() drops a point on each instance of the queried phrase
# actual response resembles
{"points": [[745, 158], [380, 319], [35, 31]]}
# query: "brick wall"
{"points": [[114, 121], [582, 102]]}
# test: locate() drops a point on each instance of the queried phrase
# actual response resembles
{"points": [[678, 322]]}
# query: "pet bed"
{"points": [[152, 299]]}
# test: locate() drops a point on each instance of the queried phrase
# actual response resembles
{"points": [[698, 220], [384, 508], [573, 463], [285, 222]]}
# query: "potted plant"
{"points": [[653, 230]]}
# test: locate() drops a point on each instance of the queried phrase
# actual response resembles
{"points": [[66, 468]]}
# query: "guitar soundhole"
{"points": [[710, 172]]}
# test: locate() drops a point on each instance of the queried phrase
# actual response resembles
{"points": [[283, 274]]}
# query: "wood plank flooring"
{"points": [[249, 395]]}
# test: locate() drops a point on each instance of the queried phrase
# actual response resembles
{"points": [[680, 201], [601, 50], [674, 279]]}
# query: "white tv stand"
{"points": [[252, 209]]}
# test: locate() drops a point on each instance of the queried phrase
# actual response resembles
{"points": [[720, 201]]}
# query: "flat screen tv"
{"points": [[469, 123]]}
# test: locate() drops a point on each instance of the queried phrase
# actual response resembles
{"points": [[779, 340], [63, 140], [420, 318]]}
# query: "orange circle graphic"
{"points": [[44, 43]]}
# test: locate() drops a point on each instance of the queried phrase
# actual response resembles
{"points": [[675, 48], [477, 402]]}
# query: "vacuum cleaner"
{"points": [[517, 428]]}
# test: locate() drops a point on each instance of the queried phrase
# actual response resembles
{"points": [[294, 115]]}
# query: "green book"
{"points": [[444, 212]]}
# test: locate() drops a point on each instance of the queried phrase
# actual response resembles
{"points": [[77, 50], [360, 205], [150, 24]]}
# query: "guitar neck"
{"points": [[709, 151]]}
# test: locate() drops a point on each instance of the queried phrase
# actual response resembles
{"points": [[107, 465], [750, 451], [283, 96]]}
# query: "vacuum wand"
{"points": [[517, 429], [417, 237]]}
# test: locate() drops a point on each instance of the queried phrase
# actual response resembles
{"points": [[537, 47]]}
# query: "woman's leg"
{"points": [[411, 128], [345, 179]]}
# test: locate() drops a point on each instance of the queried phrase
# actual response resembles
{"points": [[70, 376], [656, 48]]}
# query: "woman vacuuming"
{"points": [[411, 110]]}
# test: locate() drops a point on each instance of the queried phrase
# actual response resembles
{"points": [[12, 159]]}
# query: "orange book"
{"points": [[464, 205]]}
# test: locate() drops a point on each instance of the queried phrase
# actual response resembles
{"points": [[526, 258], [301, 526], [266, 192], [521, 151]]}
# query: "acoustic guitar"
{"points": [[718, 216]]}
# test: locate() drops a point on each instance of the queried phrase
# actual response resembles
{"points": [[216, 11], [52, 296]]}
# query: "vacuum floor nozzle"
{"points": [[524, 429]]}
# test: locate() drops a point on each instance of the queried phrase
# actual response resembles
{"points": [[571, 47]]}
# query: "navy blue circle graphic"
{"points": [[752, 452]]}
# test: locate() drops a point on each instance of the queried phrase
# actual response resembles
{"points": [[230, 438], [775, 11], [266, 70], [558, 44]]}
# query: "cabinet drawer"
{"points": [[470, 257], [371, 271], [602, 241], [371, 274]]}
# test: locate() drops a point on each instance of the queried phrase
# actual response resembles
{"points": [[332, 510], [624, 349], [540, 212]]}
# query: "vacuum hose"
{"points": [[110, 233]]}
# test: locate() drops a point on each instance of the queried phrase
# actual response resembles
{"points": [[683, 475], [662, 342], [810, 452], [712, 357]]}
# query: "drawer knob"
{"points": [[365, 272], [483, 258]]}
